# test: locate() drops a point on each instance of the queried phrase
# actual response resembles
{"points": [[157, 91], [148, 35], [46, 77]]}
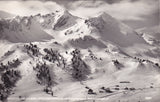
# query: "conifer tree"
{"points": [[80, 68]]}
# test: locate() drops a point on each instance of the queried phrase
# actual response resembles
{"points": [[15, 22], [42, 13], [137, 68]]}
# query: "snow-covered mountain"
{"points": [[112, 30], [114, 61], [103, 27], [32, 28], [22, 30]]}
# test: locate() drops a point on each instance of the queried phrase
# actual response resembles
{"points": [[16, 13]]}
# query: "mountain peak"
{"points": [[104, 14], [64, 20], [110, 29]]}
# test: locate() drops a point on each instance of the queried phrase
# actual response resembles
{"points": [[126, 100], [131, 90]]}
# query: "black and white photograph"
{"points": [[79, 50]]}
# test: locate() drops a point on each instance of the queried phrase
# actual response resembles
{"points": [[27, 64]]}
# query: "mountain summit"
{"points": [[110, 29]]}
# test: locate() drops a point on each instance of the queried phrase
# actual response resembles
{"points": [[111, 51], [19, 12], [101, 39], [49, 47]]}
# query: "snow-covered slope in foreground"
{"points": [[129, 79]]}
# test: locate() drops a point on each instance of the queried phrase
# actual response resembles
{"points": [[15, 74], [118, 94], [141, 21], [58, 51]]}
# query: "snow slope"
{"points": [[104, 74]]}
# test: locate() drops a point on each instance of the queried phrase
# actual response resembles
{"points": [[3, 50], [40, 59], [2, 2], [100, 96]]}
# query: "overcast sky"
{"points": [[135, 13]]}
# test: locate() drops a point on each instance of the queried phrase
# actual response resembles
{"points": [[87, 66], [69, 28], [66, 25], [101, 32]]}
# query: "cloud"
{"points": [[25, 8], [112, 1], [120, 9]]}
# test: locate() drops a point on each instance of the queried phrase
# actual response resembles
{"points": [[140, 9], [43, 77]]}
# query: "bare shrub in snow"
{"points": [[43, 74], [10, 77], [54, 56], [32, 49]]}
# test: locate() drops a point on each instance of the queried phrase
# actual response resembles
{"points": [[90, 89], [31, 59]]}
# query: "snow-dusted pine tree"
{"points": [[80, 68]]}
